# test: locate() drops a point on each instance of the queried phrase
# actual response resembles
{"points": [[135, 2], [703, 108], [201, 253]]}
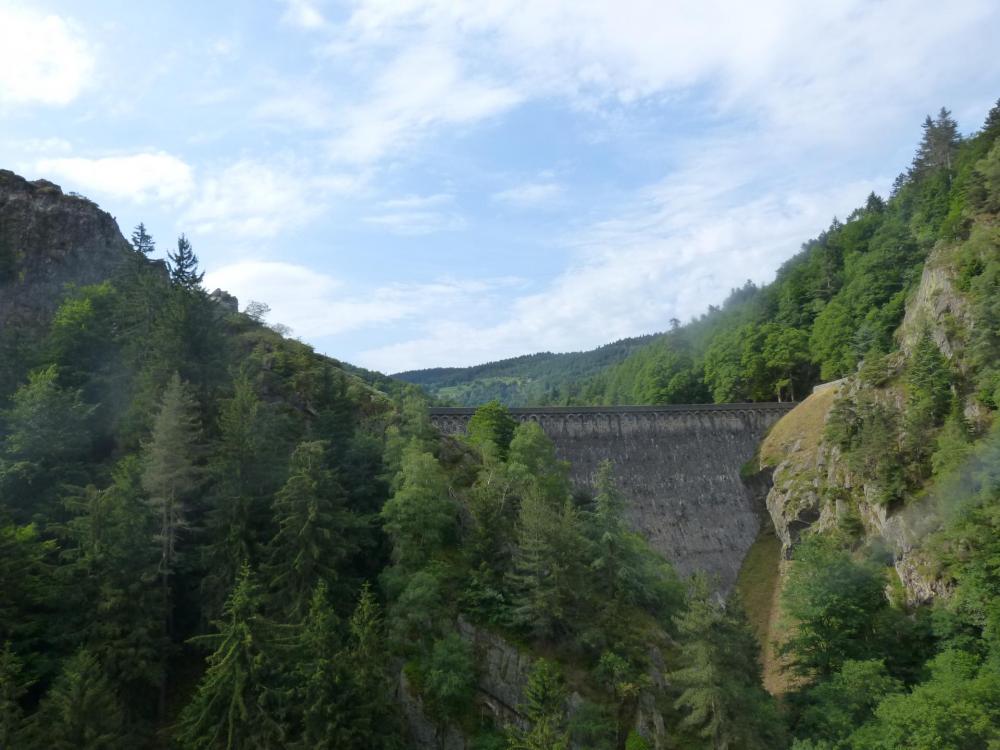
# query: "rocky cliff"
{"points": [[49, 239], [814, 487]]}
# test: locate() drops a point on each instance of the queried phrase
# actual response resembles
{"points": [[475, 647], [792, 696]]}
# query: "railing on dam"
{"points": [[453, 419]]}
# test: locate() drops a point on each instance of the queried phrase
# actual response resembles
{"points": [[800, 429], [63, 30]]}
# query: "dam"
{"points": [[679, 467]]}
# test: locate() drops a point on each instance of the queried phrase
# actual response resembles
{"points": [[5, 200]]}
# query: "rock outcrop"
{"points": [[49, 240]]}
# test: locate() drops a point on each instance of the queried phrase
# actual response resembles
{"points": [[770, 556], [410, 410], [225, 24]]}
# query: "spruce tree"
{"points": [[721, 697], [548, 576], [241, 467], [184, 266], [79, 711], [545, 709], [171, 475], [938, 145], [319, 677], [13, 686], [236, 706], [111, 572], [142, 242], [314, 531]]}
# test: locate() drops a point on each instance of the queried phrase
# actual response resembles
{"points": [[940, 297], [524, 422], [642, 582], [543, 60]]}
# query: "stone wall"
{"points": [[679, 466]]}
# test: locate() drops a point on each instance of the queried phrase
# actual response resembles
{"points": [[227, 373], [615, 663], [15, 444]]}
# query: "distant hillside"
{"points": [[543, 378], [839, 299]]}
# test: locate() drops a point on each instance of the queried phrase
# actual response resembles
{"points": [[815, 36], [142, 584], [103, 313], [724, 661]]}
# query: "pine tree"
{"points": [[184, 266], [236, 705], [13, 686], [79, 711], [320, 677], [111, 573], [314, 531], [544, 707], [142, 242], [721, 694], [548, 574], [241, 468], [170, 477], [938, 145]]}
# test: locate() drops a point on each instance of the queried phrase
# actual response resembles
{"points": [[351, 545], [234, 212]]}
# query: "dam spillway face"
{"points": [[679, 467]]}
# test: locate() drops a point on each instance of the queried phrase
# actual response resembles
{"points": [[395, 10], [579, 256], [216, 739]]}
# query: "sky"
{"points": [[420, 183]]}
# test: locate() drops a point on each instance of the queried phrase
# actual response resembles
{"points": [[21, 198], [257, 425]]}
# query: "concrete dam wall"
{"points": [[679, 467]]}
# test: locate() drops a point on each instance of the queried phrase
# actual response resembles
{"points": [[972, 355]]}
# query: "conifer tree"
{"points": [[171, 473], [547, 577], [314, 531], [938, 144], [111, 573], [170, 477], [721, 694], [241, 468], [184, 265], [236, 705], [79, 711], [320, 680], [142, 242], [544, 707], [13, 686]]}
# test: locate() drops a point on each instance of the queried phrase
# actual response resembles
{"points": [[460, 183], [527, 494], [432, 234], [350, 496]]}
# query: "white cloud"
{"points": [[317, 305], [417, 214], [531, 195], [304, 14], [815, 71], [43, 58], [136, 177], [250, 198], [684, 243], [422, 88]]}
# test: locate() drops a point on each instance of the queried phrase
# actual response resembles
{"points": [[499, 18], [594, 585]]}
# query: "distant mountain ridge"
{"points": [[530, 379]]}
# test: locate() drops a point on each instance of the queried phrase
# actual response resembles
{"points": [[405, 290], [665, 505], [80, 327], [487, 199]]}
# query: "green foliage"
{"points": [[315, 531], [236, 703], [420, 516], [79, 711], [449, 677], [492, 423], [721, 697], [13, 686], [847, 700], [958, 708], [835, 603]]}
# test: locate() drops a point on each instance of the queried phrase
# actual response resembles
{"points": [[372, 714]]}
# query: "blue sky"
{"points": [[426, 182]]}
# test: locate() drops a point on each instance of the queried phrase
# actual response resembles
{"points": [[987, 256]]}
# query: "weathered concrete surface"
{"points": [[679, 466]]}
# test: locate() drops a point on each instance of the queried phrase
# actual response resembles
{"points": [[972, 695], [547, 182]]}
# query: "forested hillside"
{"points": [[841, 297], [212, 537], [535, 379]]}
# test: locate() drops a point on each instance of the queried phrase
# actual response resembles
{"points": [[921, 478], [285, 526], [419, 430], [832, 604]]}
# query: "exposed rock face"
{"points": [[679, 467], [814, 489], [503, 671], [225, 300], [47, 240]]}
